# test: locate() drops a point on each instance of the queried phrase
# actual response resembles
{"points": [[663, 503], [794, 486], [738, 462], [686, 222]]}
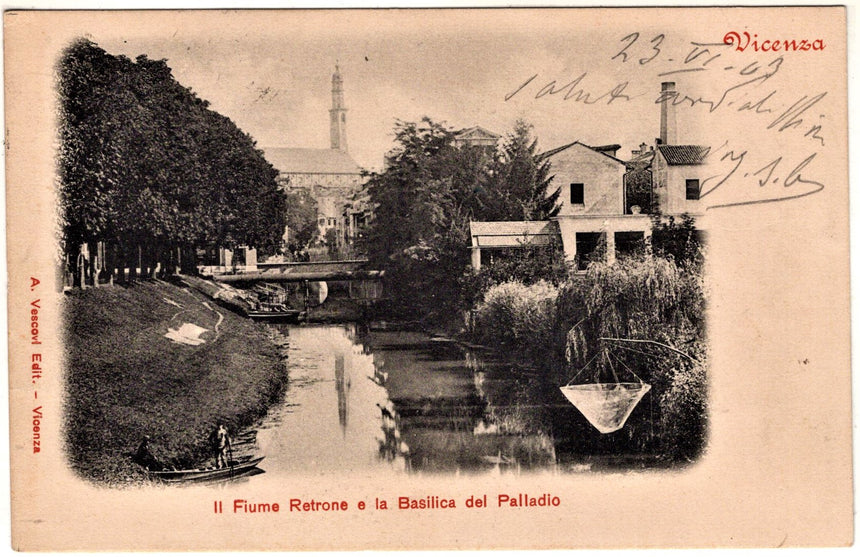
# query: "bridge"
{"points": [[349, 270]]}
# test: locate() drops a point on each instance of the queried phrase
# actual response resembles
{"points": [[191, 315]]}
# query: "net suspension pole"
{"points": [[643, 341]]}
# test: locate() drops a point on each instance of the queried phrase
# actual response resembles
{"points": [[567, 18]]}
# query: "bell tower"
{"points": [[338, 112]]}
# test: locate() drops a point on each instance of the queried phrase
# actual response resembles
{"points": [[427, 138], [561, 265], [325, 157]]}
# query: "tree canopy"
{"points": [[301, 219], [520, 180], [144, 161], [424, 199]]}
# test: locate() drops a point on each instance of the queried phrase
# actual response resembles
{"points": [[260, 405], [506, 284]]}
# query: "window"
{"points": [[588, 249], [577, 194], [629, 242], [692, 189]]}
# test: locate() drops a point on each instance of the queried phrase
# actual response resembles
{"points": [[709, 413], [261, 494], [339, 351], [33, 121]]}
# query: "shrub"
{"points": [[519, 316], [678, 240], [683, 409]]}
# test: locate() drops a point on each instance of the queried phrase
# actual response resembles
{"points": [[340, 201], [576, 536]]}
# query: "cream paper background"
{"points": [[777, 470]]}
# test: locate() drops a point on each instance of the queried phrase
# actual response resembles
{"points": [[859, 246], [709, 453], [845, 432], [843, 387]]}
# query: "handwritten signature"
{"points": [[795, 182]]}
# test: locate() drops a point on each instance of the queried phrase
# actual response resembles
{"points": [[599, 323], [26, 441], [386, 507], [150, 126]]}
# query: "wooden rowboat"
{"points": [[238, 468], [292, 315]]}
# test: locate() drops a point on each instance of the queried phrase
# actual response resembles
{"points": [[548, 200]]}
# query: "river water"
{"points": [[403, 401]]}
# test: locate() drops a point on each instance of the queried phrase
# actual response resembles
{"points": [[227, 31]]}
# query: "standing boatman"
{"points": [[223, 447]]}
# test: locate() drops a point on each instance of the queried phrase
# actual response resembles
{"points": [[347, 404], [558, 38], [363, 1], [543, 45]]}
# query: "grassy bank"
{"points": [[124, 379]]}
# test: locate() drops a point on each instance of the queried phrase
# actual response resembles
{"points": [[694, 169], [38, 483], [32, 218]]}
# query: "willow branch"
{"points": [[642, 341]]}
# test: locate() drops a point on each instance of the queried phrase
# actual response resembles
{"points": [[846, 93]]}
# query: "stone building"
{"points": [[592, 202], [476, 136], [678, 169], [593, 205], [591, 208], [678, 174], [331, 176]]}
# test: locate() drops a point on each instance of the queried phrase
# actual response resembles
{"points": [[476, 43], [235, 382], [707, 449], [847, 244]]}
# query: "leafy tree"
{"points": [[331, 243], [423, 202], [520, 182], [637, 184], [677, 240], [425, 198], [301, 219], [146, 167]]}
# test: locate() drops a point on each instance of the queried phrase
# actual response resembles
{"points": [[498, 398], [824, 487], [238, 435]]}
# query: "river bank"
{"points": [[125, 379]]}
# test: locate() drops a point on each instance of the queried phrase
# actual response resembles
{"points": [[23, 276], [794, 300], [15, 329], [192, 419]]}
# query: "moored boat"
{"points": [[270, 302], [293, 315], [236, 469]]}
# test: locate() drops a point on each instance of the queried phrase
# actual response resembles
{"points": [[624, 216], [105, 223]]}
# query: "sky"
{"points": [[275, 81]]}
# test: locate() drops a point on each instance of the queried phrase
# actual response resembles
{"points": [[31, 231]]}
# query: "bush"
{"points": [[519, 316], [683, 410], [678, 240], [527, 265]]}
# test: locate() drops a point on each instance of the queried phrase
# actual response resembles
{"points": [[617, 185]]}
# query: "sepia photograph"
{"points": [[313, 271], [479, 303]]}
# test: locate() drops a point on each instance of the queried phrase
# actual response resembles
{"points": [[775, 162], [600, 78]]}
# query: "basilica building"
{"points": [[331, 176]]}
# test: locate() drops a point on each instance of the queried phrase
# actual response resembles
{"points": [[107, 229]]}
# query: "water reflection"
{"points": [[460, 410], [332, 417], [342, 383], [403, 401]]}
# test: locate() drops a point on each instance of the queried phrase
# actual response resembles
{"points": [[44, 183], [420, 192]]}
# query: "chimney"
{"points": [[667, 114]]}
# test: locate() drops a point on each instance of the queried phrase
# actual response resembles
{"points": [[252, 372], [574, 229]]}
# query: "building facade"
{"points": [[591, 210], [678, 172], [594, 212], [591, 180], [476, 136], [330, 176]]}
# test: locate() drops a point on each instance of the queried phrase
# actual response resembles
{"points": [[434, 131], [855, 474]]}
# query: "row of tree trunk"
{"points": [[99, 263]]}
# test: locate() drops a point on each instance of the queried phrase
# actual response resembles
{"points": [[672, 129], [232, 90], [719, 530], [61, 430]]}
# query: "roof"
{"points": [[557, 150], [606, 148], [476, 131], [683, 155], [512, 233], [291, 160], [642, 160], [513, 227]]}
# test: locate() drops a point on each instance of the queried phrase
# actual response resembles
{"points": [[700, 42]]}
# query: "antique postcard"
{"points": [[428, 279]]}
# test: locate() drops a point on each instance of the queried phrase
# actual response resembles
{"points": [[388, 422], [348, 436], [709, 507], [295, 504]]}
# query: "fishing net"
{"points": [[607, 405]]}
